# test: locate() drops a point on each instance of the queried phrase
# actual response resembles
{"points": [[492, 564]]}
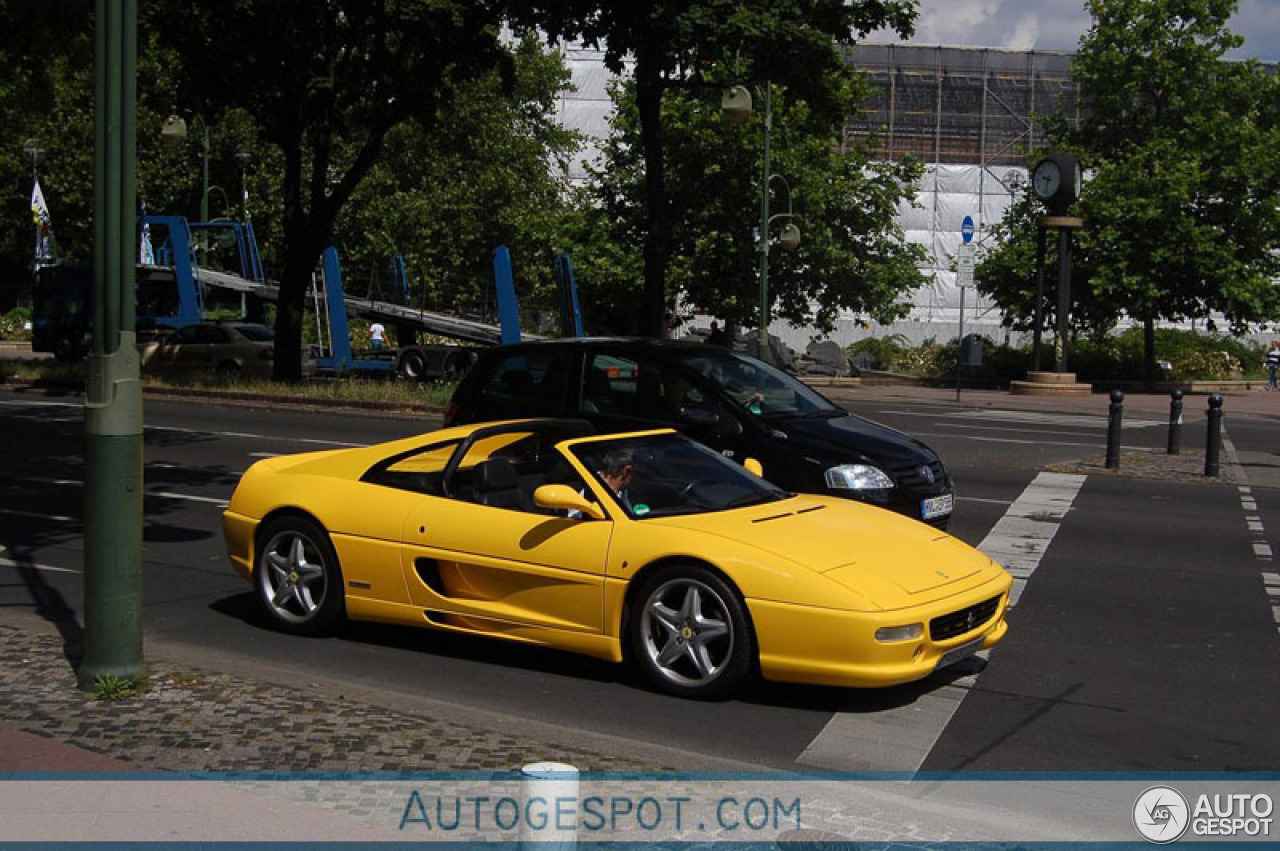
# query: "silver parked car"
{"points": [[225, 349]]}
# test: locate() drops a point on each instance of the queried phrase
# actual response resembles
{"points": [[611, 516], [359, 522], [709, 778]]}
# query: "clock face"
{"points": [[1047, 179]]}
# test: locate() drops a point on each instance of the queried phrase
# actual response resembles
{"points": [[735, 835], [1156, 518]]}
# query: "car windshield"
{"points": [[759, 387], [670, 474], [257, 333]]}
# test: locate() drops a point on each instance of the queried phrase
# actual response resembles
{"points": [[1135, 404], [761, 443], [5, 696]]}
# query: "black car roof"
{"points": [[608, 342]]}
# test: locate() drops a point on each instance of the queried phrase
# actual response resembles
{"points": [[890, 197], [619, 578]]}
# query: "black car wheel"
{"points": [[297, 576], [690, 634], [413, 366]]}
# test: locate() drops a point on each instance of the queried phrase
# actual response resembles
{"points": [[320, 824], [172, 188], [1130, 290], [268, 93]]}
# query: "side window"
{"points": [[532, 382], [609, 385], [188, 335], [640, 388]]}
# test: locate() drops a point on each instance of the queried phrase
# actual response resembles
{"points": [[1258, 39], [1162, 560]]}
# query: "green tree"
{"points": [[490, 170], [670, 43], [852, 257], [1180, 206], [325, 83]]}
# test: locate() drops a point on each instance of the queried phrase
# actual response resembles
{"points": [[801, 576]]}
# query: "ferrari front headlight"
{"points": [[910, 632], [857, 477]]}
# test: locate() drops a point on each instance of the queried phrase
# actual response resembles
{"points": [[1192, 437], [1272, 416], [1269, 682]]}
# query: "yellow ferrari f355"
{"points": [[692, 566]]}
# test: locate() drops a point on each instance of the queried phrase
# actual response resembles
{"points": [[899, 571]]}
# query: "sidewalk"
{"points": [[193, 719]]}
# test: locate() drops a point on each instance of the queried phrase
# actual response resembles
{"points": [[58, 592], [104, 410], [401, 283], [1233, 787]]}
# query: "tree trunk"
{"points": [[657, 239]]}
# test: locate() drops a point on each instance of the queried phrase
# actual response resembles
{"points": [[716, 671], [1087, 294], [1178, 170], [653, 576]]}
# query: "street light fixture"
{"points": [[736, 106], [174, 131], [244, 156], [32, 149]]}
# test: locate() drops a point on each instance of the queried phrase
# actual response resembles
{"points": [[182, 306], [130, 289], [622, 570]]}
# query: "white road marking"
{"points": [[157, 493], [252, 436], [899, 739], [981, 499], [1020, 538], [188, 497], [33, 403], [7, 562], [1262, 551], [58, 517], [1031, 417], [265, 454], [1010, 428], [1031, 442]]}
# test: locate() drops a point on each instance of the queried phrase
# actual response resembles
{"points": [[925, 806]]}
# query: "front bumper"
{"points": [[804, 644]]}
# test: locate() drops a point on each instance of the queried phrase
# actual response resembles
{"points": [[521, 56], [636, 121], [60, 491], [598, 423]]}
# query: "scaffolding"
{"points": [[959, 105]]}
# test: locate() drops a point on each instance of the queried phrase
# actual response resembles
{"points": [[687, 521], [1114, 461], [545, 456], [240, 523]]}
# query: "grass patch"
{"points": [[388, 391], [111, 687]]}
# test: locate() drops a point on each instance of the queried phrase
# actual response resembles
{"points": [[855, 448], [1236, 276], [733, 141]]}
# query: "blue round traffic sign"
{"points": [[966, 229]]}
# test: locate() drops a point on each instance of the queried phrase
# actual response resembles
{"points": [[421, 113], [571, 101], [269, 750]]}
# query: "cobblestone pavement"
{"points": [[191, 720]]}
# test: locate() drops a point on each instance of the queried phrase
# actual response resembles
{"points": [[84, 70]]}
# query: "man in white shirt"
{"points": [[377, 335]]}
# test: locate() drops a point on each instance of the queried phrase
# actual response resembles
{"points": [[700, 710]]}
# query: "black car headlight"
{"points": [[857, 477]]}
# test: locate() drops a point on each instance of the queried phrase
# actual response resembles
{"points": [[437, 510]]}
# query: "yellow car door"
{"points": [[486, 568]]}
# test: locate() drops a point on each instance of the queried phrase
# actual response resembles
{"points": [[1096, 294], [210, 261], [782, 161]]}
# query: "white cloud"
{"points": [[1040, 25]]}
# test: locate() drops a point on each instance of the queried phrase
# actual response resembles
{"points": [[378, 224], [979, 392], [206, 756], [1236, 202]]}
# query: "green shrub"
{"points": [[13, 325], [1186, 355], [883, 351]]}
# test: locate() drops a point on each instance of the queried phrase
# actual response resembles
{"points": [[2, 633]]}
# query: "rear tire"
{"points": [[690, 633], [228, 371], [298, 578], [413, 365]]}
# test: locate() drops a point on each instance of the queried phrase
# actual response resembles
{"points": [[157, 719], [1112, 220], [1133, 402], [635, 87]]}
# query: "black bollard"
{"points": [[1214, 439], [1175, 422], [1115, 415]]}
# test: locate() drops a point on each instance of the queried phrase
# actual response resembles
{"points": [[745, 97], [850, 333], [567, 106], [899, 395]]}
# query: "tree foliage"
{"points": [[490, 170], [324, 84], [1180, 201], [673, 44], [852, 256]]}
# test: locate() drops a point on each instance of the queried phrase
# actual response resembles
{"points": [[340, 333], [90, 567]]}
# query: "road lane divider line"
{"points": [[1029, 417], [58, 517], [188, 497], [251, 436], [8, 562], [1262, 551], [900, 738]]}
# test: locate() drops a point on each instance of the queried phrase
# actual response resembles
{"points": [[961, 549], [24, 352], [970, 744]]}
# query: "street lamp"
{"points": [[32, 149], [244, 156], [736, 105], [174, 132]]}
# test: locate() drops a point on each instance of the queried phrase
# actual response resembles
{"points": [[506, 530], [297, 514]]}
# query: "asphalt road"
{"points": [[1144, 637]]}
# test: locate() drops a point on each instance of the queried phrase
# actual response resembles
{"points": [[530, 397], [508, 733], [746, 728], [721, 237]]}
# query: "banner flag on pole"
{"points": [[44, 225]]}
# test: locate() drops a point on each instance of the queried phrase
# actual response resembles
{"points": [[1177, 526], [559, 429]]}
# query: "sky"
{"points": [[1059, 24]]}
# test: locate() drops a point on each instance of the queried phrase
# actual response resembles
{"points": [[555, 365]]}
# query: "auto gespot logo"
{"points": [[1161, 814]]}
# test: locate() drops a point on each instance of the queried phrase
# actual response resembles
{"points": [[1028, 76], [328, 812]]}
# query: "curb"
{"points": [[233, 396]]}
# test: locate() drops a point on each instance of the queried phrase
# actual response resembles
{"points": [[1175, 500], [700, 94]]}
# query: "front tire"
{"points": [[297, 577], [690, 633]]}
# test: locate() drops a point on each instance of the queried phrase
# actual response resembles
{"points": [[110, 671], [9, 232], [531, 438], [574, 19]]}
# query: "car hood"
{"points": [[889, 559], [850, 437]]}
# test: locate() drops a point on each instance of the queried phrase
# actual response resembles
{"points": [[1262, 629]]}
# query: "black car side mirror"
{"points": [[698, 416]]}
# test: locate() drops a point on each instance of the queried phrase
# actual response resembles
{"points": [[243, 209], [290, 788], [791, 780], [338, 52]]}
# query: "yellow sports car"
{"points": [[645, 546]]}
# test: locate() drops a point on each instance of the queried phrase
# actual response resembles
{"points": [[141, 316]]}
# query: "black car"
{"points": [[736, 404]]}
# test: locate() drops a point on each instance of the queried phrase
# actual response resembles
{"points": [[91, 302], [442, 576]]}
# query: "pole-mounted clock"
{"points": [[1056, 180]]}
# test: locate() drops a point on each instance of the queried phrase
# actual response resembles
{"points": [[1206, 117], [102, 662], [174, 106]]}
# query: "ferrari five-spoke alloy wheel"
{"points": [[297, 577], [690, 633]]}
